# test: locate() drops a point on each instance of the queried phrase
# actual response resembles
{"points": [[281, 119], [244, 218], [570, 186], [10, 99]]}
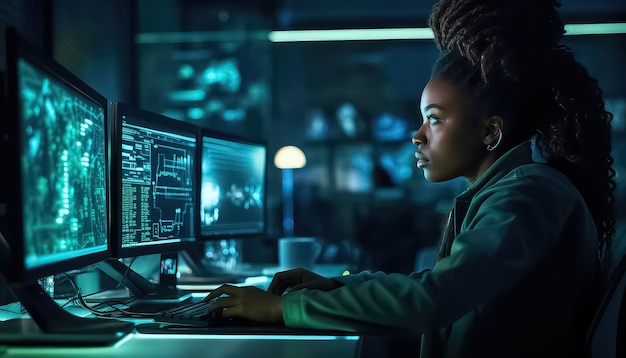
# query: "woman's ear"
{"points": [[494, 127]]}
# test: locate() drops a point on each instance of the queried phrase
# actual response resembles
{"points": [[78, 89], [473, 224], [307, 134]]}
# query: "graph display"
{"points": [[157, 185]]}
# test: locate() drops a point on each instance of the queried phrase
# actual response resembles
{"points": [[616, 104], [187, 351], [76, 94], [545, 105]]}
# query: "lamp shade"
{"points": [[289, 157]]}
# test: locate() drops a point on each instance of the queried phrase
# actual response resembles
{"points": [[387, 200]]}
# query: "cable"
{"points": [[115, 313]]}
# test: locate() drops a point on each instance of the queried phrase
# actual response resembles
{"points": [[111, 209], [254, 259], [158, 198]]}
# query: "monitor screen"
{"points": [[54, 197], [55, 147], [154, 188], [232, 194]]}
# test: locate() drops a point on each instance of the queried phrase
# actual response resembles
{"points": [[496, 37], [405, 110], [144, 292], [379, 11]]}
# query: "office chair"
{"points": [[606, 337]]}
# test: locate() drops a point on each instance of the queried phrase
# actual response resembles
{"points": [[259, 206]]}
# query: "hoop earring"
{"points": [[491, 147]]}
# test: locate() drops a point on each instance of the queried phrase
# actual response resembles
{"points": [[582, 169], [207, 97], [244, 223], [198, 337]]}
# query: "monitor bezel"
{"points": [[161, 122], [213, 133], [18, 48]]}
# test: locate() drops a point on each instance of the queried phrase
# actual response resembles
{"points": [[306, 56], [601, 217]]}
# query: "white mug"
{"points": [[296, 252]]}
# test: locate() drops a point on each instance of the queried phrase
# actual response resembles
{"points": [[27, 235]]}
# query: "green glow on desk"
{"points": [[123, 340], [264, 337], [255, 280]]}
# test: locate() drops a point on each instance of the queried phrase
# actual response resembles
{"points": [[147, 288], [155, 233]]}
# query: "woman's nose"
{"points": [[419, 138]]}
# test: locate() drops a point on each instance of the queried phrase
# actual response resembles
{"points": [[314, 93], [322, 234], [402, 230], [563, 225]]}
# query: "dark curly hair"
{"points": [[508, 54]]}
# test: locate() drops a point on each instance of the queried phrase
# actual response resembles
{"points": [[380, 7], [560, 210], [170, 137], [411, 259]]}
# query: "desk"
{"points": [[227, 344], [173, 345], [137, 345], [273, 342]]}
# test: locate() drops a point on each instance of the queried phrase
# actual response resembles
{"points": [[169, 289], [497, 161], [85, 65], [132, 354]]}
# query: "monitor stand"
{"points": [[51, 325], [144, 291]]}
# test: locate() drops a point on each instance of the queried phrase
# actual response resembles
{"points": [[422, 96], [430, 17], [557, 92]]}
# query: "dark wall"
{"points": [[94, 40], [30, 17]]}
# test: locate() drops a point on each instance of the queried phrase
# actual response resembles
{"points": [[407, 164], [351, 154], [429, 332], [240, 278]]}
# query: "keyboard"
{"points": [[197, 314]]}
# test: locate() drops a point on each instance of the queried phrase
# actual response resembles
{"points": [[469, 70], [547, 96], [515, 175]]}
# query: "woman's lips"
{"points": [[422, 161]]}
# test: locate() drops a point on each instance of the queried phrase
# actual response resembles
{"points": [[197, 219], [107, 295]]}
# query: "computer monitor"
{"points": [[54, 198], [232, 202], [232, 193], [153, 193]]}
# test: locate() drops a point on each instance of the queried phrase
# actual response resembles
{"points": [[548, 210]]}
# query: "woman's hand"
{"points": [[247, 302], [298, 279]]}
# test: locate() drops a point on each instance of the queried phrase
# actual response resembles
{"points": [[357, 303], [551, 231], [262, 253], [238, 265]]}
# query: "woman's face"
{"points": [[450, 140]]}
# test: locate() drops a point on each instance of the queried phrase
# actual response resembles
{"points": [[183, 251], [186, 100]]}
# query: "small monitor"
{"points": [[232, 193], [154, 199], [54, 194]]}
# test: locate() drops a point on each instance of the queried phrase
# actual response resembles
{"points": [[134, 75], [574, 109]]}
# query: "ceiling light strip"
{"points": [[351, 35], [595, 29], [415, 33]]}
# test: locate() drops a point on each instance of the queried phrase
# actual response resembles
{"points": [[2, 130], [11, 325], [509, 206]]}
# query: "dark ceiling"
{"points": [[369, 13]]}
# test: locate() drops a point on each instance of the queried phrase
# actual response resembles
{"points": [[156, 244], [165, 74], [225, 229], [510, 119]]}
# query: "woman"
{"points": [[518, 270]]}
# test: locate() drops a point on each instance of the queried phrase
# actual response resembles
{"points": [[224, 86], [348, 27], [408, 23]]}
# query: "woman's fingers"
{"points": [[221, 304], [281, 281], [286, 279], [225, 289], [248, 302]]}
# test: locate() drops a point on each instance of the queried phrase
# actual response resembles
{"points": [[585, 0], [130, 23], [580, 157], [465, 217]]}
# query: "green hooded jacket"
{"points": [[517, 276]]}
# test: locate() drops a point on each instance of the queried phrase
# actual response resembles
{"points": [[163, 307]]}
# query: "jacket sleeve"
{"points": [[510, 227], [368, 275]]}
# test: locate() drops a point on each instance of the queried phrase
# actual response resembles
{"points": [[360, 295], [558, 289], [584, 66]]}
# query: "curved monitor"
{"points": [[233, 186], [55, 163], [153, 196]]}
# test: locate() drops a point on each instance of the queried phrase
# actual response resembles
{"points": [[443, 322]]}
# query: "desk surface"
{"points": [[183, 345], [174, 345], [214, 342], [224, 344]]}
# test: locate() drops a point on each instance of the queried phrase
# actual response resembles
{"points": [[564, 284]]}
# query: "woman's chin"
{"points": [[433, 177]]}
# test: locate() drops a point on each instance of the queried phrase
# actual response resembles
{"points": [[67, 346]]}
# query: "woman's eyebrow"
{"points": [[432, 105]]}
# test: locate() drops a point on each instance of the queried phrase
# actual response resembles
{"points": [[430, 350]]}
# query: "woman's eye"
{"points": [[433, 120]]}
